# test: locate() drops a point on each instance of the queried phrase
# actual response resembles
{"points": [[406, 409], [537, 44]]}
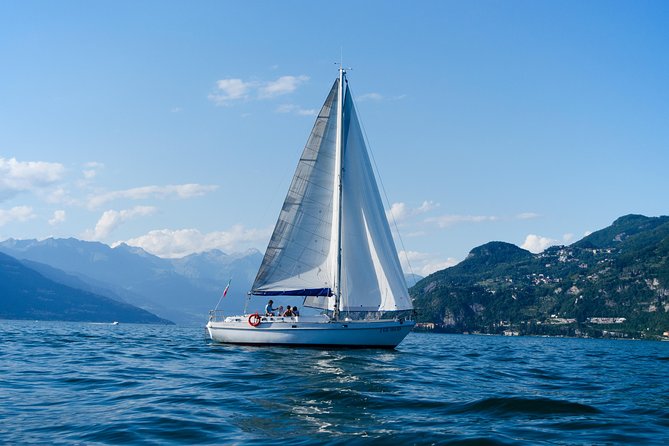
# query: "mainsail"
{"points": [[298, 260], [301, 259]]}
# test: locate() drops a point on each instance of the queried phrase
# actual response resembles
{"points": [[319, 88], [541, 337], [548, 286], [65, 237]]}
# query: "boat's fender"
{"points": [[254, 319]]}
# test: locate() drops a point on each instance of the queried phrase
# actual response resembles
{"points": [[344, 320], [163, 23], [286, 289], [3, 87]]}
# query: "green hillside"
{"points": [[614, 282]]}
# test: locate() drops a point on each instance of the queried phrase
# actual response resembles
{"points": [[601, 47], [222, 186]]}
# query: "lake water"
{"points": [[70, 383]]}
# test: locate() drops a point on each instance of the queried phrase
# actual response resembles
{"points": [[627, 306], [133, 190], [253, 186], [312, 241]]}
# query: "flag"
{"points": [[225, 291]]}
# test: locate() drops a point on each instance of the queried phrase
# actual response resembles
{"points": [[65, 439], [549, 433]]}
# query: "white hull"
{"points": [[311, 331]]}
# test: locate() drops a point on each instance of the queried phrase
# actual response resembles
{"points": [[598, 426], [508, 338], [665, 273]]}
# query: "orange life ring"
{"points": [[254, 320]]}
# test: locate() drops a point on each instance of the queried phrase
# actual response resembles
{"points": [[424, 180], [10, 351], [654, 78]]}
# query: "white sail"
{"points": [[298, 260], [372, 277], [301, 258]]}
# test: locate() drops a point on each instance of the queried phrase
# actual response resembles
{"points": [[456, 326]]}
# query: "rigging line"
{"points": [[383, 187]]}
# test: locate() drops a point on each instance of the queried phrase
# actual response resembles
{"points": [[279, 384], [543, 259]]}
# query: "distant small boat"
{"points": [[115, 323], [331, 245]]}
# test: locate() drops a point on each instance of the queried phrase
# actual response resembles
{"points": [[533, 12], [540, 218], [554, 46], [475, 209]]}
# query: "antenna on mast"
{"points": [[341, 62]]}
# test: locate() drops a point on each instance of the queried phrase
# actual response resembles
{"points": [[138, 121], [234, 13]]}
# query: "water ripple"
{"points": [[67, 383]]}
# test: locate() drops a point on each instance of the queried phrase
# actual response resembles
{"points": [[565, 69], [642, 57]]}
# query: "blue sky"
{"points": [[176, 126]]}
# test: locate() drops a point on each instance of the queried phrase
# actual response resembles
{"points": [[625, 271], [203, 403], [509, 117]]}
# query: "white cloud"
{"points": [[423, 263], [94, 165], [230, 90], [370, 97], [181, 242], [527, 216], [233, 90], [17, 213], [427, 206], [450, 220], [59, 216], [397, 212], [377, 97], [111, 219], [296, 109], [181, 191], [400, 211], [283, 85], [568, 238], [91, 169], [536, 243], [59, 195], [20, 176]]}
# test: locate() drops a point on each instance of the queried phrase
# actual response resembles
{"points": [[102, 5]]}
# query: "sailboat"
{"points": [[331, 245]]}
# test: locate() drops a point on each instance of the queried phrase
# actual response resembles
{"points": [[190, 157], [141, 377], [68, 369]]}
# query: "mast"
{"points": [[339, 172]]}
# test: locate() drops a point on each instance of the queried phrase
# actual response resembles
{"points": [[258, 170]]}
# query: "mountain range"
{"points": [[27, 294], [181, 290], [614, 282]]}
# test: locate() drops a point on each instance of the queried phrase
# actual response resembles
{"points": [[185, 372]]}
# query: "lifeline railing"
{"points": [[216, 315]]}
